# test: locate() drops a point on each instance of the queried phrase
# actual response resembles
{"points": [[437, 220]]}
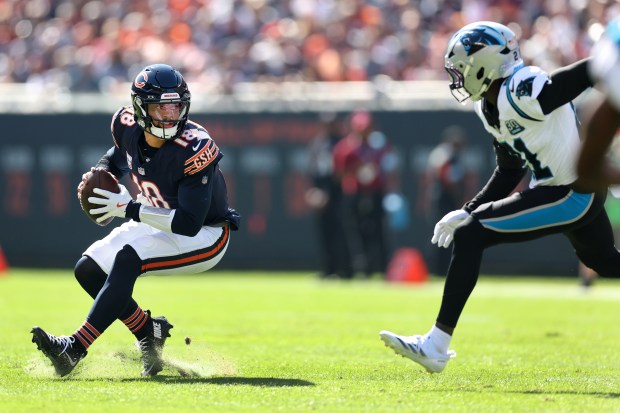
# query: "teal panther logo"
{"points": [[525, 87], [479, 38]]}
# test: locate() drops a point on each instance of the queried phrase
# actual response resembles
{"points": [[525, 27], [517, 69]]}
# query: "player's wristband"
{"points": [[133, 211]]}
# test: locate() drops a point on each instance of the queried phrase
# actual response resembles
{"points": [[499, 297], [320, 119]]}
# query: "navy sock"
{"points": [[115, 296], [92, 279]]}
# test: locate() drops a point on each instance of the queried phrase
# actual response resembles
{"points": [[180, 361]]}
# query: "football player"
{"points": [[180, 222], [532, 121], [593, 168]]}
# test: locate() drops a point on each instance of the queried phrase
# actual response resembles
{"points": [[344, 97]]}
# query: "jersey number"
{"points": [[127, 119], [151, 191], [540, 172], [186, 137]]}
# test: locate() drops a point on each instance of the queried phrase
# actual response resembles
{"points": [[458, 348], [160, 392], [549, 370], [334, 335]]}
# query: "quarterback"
{"points": [[180, 222]]}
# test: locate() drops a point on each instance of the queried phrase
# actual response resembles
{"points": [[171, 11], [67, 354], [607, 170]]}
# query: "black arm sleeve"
{"points": [[111, 161], [203, 204], [508, 173], [195, 200], [565, 85]]}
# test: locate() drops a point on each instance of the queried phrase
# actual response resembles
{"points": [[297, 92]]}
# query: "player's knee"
{"points": [[124, 273], [89, 275], [87, 269], [127, 262], [468, 232]]}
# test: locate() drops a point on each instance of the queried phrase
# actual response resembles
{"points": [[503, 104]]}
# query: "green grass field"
{"points": [[291, 343]]}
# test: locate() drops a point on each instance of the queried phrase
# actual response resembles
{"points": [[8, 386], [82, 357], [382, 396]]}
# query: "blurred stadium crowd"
{"points": [[98, 45]]}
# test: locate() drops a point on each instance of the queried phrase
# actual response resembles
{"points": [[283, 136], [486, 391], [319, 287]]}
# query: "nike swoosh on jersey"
{"points": [[119, 205], [196, 147]]}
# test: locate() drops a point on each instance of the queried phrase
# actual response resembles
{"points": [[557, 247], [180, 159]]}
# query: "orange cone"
{"points": [[407, 266], [4, 265]]}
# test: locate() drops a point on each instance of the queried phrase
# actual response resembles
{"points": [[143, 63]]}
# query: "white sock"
{"points": [[440, 339]]}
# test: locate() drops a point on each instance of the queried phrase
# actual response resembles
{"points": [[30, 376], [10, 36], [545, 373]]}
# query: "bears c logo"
{"points": [[141, 79]]}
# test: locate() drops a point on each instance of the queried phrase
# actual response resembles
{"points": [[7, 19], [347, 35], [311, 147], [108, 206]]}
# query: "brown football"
{"points": [[99, 178]]}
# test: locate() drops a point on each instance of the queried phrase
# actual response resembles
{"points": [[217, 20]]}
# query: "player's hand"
{"points": [[444, 229], [112, 205]]}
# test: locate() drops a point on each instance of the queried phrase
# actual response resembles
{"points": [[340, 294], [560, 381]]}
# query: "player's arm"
{"points": [[114, 162], [194, 198], [508, 173], [564, 85], [593, 169]]}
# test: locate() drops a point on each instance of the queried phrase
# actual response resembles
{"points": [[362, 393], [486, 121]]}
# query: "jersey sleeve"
{"points": [[522, 91], [194, 203], [114, 162], [121, 119], [204, 153], [506, 176]]}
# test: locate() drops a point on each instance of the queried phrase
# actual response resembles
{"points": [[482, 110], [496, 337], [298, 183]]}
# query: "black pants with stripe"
{"points": [[525, 216]]}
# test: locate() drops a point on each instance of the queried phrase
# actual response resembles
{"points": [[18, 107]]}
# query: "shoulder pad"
{"points": [[528, 82], [193, 132], [206, 152], [522, 90], [121, 119]]}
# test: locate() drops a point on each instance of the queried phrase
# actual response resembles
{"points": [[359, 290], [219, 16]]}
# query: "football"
{"points": [[98, 178]]}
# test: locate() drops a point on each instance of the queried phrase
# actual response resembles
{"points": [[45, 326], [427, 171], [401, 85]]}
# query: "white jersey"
{"points": [[548, 144], [605, 66]]}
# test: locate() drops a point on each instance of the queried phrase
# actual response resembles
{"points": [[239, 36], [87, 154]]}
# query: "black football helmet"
{"points": [[160, 84]]}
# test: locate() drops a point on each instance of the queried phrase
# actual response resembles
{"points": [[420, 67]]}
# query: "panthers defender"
{"points": [[179, 224], [593, 167], [532, 121]]}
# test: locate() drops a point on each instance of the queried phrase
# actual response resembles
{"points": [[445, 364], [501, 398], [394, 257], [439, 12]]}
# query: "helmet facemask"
{"points": [[457, 84], [164, 119]]}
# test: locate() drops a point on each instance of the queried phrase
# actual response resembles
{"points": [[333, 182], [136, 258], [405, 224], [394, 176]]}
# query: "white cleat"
{"points": [[417, 349]]}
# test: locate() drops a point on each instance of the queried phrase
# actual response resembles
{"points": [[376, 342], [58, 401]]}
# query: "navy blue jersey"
{"points": [[182, 175]]}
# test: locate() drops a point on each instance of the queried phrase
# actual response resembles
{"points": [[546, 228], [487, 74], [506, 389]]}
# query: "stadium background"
{"points": [[260, 73]]}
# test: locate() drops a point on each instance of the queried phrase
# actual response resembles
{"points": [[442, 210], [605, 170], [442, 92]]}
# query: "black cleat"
{"points": [[152, 345], [61, 351]]}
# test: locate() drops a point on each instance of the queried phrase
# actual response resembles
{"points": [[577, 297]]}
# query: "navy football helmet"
{"points": [[477, 55], [162, 87]]}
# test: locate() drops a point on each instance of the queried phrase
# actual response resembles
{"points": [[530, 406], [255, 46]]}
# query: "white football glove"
{"points": [[112, 205], [444, 229]]}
